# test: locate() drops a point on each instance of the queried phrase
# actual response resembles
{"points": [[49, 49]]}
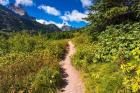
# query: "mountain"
{"points": [[20, 11], [67, 28], [16, 19], [17, 9], [52, 27]]}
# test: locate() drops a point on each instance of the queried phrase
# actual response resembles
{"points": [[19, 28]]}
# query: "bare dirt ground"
{"points": [[73, 83]]}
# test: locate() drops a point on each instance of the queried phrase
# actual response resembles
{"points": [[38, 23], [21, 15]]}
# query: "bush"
{"points": [[30, 64], [110, 63]]}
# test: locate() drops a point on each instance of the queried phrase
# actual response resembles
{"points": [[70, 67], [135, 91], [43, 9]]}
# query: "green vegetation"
{"points": [[108, 12], [60, 35], [108, 62], [30, 63], [108, 50], [108, 53]]}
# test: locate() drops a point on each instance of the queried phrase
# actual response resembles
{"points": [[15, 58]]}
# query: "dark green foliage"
{"points": [[60, 35], [108, 12]]}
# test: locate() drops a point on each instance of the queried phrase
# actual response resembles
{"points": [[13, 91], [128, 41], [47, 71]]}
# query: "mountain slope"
{"points": [[67, 28], [11, 21], [20, 11]]}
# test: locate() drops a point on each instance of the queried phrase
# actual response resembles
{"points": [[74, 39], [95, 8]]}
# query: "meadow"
{"points": [[30, 63], [107, 52]]}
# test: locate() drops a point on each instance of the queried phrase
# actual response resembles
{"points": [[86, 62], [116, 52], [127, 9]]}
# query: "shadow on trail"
{"points": [[64, 82], [71, 82]]}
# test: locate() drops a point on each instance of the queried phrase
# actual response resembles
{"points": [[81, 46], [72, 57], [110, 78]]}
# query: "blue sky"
{"points": [[70, 12]]}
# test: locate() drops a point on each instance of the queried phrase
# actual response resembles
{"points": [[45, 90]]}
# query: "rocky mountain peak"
{"points": [[17, 9], [67, 28]]}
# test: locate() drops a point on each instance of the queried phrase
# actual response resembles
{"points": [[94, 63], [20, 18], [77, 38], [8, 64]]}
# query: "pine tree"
{"points": [[108, 12]]}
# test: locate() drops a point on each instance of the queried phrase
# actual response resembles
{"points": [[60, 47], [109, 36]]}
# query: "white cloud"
{"points": [[50, 10], [42, 21], [24, 2], [86, 3], [75, 15], [4, 2]]}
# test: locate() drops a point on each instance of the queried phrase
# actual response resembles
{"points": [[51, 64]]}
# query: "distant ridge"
{"points": [[67, 28], [18, 19]]}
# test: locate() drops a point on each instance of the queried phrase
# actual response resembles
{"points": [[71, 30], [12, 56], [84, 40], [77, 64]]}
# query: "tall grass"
{"points": [[30, 64]]}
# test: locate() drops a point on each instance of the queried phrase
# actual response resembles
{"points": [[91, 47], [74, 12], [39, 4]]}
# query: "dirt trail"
{"points": [[71, 76]]}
